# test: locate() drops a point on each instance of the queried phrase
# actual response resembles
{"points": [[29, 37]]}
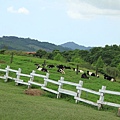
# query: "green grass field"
{"points": [[15, 104]]}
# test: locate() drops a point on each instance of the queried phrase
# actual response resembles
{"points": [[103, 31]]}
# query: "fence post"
{"points": [[18, 76], [47, 75], [31, 78], [77, 69], [60, 86], [7, 73], [79, 91], [45, 82], [101, 99], [11, 60], [118, 114]]}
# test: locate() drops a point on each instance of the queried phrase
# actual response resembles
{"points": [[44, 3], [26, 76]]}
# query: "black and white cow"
{"points": [[84, 75], [61, 71], [107, 77], [42, 69], [50, 66], [60, 66], [81, 71], [92, 74], [67, 67]]}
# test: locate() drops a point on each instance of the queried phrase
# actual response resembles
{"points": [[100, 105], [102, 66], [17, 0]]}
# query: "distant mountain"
{"points": [[74, 46], [27, 44]]}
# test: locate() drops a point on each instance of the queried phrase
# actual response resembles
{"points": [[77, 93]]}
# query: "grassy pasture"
{"points": [[16, 105]]}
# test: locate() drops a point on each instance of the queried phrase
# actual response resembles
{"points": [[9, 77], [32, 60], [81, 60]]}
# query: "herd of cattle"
{"points": [[61, 69]]}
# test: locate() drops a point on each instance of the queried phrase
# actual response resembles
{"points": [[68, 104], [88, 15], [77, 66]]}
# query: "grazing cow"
{"points": [[107, 77], [60, 66], [50, 66], [81, 71], [84, 75], [61, 71], [42, 69], [37, 65], [92, 74], [67, 67]]}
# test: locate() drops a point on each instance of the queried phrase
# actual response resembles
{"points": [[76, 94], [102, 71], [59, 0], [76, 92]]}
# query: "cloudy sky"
{"points": [[85, 22]]}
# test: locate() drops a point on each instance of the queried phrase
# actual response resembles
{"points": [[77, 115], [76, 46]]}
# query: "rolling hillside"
{"points": [[27, 44], [32, 45]]}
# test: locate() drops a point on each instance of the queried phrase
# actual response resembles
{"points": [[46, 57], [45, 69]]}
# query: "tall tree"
{"points": [[41, 53], [59, 57], [99, 64]]}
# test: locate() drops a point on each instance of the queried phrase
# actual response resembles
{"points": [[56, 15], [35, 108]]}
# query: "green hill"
{"points": [[27, 44]]}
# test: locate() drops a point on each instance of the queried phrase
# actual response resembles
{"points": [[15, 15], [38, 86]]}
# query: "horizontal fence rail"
{"points": [[49, 89], [104, 91], [65, 91], [78, 98], [60, 84]]}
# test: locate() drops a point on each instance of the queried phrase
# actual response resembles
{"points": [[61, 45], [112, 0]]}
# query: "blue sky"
{"points": [[86, 22]]}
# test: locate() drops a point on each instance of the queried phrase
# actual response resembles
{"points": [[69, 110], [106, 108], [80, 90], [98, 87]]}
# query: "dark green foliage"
{"points": [[41, 53], [2, 51], [109, 55], [59, 57], [112, 71]]}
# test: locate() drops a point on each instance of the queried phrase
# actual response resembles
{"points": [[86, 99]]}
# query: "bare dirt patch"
{"points": [[34, 92]]}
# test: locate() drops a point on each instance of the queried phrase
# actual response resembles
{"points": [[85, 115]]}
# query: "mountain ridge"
{"points": [[32, 45], [74, 46]]}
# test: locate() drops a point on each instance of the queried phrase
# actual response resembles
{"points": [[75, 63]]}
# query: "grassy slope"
{"points": [[14, 104]]}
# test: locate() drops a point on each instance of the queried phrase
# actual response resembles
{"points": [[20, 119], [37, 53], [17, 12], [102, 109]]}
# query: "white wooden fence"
{"points": [[60, 83]]}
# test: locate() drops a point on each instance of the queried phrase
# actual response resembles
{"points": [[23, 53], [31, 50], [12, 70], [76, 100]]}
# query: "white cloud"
{"points": [[23, 10], [79, 9], [20, 10]]}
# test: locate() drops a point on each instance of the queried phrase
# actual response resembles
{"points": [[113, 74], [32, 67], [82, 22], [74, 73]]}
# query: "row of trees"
{"points": [[103, 59], [109, 54]]}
